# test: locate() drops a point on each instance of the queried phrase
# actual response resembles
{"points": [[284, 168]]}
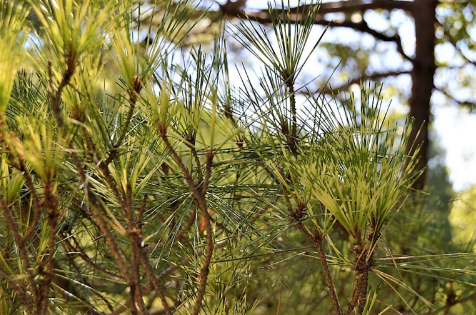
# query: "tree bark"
{"points": [[422, 75]]}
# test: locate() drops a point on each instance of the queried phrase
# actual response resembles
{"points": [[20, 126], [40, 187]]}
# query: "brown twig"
{"points": [[155, 282], [178, 235], [96, 214], [35, 200], [134, 93], [55, 98], [141, 212], [364, 279], [283, 267], [357, 5], [317, 241], [112, 185], [191, 145], [330, 284], [208, 228], [112, 245], [55, 94], [355, 297], [297, 216], [200, 198], [334, 91], [79, 252], [363, 264], [22, 249], [293, 135], [20, 290], [135, 237], [52, 203], [264, 17], [20, 165], [85, 308], [128, 304]]}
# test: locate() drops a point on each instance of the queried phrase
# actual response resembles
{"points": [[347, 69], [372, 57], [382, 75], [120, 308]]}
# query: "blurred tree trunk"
{"points": [[422, 78]]}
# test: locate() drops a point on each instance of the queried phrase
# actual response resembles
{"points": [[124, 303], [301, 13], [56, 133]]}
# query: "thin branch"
{"points": [[141, 211], [129, 303], [36, 204], [188, 178], [107, 235], [355, 297], [465, 103], [125, 128], [111, 243], [134, 93], [360, 6], [85, 308], [200, 198], [293, 136], [364, 28], [13, 226], [191, 145], [135, 236], [79, 252], [364, 283], [126, 305], [112, 184], [208, 172], [20, 165], [332, 7], [455, 45], [358, 80], [55, 97], [187, 226], [20, 290], [187, 260], [52, 203], [330, 284], [208, 228], [317, 241], [55, 94], [263, 17], [96, 214], [155, 282], [167, 271]]}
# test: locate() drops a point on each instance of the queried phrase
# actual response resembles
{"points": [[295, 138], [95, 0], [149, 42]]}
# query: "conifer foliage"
{"points": [[179, 193]]}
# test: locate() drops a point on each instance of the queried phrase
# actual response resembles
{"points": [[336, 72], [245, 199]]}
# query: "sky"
{"points": [[456, 127], [457, 131]]}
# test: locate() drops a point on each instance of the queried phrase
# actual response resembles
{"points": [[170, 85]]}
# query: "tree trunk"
{"points": [[422, 78]]}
